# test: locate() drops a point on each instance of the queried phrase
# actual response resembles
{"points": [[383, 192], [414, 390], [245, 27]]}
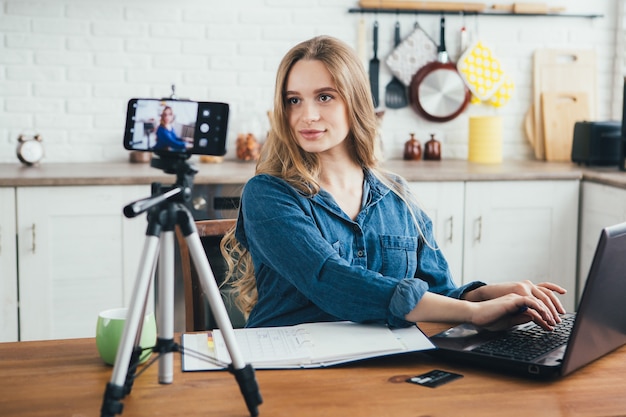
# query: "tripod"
{"points": [[165, 210]]}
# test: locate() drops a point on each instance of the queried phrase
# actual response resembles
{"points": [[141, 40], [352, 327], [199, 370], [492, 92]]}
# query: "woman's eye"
{"points": [[325, 97], [293, 100]]}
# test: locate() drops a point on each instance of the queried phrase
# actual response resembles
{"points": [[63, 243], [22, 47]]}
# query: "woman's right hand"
{"points": [[510, 310], [545, 292]]}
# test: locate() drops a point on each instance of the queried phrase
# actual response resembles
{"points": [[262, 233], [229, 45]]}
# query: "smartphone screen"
{"points": [[176, 126]]}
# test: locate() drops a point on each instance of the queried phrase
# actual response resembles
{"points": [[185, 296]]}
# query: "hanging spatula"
{"points": [[374, 68], [395, 92]]}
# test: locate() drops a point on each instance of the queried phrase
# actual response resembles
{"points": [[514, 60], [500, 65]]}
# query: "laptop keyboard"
{"points": [[528, 343]]}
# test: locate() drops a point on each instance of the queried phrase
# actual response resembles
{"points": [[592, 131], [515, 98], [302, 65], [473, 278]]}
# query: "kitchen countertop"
{"points": [[236, 172]]}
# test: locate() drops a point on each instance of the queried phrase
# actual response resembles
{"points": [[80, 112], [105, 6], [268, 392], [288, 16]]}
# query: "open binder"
{"points": [[309, 345]]}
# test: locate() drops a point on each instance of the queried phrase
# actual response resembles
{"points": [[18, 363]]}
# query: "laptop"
{"points": [[597, 328]]}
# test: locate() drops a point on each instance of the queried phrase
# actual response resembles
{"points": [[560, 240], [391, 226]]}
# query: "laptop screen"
{"points": [[601, 318]]}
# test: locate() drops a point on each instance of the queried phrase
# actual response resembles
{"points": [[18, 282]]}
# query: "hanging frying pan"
{"points": [[437, 91]]}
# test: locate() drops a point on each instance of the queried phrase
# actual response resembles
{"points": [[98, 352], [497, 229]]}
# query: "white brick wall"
{"points": [[68, 67]]}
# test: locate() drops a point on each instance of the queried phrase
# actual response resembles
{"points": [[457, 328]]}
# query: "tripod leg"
{"points": [[166, 307], [209, 285], [115, 389], [244, 374]]}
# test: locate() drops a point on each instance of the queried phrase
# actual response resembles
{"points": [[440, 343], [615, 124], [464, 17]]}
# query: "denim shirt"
{"points": [[314, 263]]}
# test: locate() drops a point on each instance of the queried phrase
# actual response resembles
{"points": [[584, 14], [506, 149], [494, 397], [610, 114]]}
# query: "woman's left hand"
{"points": [[545, 292]]}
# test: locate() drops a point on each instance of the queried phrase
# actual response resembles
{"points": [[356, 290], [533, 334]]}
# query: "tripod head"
{"points": [[173, 163], [170, 163]]}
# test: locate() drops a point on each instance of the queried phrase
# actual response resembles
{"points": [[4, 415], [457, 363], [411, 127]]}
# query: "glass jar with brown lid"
{"points": [[432, 149], [412, 149]]}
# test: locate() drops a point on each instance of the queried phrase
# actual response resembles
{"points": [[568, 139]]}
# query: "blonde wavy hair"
{"points": [[283, 158]]}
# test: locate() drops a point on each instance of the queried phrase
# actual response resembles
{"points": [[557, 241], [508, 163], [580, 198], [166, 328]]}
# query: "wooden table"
{"points": [[67, 378]]}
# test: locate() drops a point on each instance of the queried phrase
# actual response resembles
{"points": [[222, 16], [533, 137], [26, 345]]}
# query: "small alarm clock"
{"points": [[30, 149]]}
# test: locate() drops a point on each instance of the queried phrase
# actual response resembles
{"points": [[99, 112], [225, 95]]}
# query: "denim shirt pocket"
{"points": [[340, 250], [399, 256]]}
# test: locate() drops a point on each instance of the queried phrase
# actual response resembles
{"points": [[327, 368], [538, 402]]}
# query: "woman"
{"points": [[323, 234], [167, 139]]}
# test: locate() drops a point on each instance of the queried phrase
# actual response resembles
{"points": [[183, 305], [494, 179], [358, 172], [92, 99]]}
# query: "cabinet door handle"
{"points": [[479, 224], [450, 223], [34, 236], [0, 240]]}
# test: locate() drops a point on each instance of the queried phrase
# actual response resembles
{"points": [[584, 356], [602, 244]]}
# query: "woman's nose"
{"points": [[310, 113]]}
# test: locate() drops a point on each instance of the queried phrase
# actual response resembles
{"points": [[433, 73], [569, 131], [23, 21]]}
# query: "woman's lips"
{"points": [[311, 134]]}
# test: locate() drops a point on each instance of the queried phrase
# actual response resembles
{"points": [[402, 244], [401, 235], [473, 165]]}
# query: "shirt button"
{"points": [[356, 228], [360, 253]]}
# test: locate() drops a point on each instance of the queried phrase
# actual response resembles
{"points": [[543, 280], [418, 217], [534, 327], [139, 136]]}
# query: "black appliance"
{"points": [[597, 143]]}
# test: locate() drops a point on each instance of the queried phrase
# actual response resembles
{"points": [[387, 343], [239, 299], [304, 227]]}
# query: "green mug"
{"points": [[109, 330]]}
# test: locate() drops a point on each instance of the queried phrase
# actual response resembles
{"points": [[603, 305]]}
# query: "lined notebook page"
{"points": [[269, 345], [309, 343], [302, 346], [340, 340]]}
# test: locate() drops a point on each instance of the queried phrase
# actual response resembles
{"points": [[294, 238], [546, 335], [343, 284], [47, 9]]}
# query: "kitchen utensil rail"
{"points": [[456, 13]]}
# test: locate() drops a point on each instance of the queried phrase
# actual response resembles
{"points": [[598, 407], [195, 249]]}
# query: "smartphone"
{"points": [[176, 126]]}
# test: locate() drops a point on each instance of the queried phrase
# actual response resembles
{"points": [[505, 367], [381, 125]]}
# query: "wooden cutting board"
{"points": [[561, 110], [558, 70], [423, 5]]}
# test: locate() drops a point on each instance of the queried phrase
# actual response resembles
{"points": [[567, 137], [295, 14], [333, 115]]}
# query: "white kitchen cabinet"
{"points": [[444, 203], [600, 206], [77, 255], [8, 267], [517, 230]]}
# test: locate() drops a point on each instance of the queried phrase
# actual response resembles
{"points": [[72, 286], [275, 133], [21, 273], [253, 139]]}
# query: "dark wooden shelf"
{"points": [[471, 13]]}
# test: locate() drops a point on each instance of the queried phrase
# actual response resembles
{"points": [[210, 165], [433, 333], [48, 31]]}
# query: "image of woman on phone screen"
{"points": [[167, 139]]}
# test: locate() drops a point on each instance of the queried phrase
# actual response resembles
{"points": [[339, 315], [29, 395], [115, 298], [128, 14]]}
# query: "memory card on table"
{"points": [[434, 378]]}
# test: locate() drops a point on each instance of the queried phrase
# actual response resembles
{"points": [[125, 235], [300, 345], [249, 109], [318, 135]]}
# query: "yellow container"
{"points": [[485, 139]]}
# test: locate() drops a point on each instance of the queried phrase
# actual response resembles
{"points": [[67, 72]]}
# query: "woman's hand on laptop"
{"points": [[510, 310], [495, 306], [545, 292], [537, 302]]}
